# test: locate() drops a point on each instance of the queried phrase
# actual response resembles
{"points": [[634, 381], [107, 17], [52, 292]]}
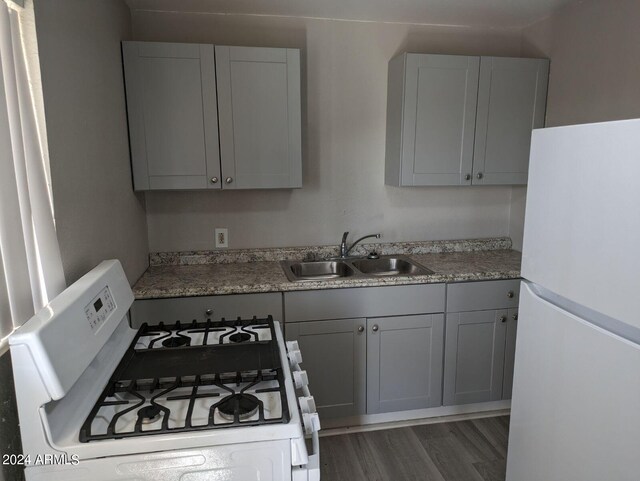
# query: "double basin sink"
{"points": [[396, 265]]}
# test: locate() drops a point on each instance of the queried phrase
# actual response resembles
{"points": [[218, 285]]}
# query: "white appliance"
{"points": [[102, 401], [576, 393]]}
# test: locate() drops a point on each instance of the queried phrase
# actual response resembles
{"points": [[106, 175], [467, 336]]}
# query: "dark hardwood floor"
{"points": [[473, 450]]}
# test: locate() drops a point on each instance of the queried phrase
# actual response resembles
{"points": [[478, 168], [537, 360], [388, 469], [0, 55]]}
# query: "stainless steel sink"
{"points": [[389, 266], [346, 268], [320, 270]]}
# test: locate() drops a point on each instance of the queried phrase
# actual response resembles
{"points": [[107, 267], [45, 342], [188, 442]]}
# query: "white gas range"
{"points": [[102, 401]]}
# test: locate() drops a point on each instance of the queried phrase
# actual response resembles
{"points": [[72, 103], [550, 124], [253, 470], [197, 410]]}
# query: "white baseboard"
{"points": [[441, 414]]}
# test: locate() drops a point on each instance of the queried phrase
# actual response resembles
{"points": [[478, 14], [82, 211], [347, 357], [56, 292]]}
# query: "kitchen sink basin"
{"points": [[389, 266], [346, 268], [320, 270]]}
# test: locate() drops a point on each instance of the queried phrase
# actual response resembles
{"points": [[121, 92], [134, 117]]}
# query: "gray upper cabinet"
{"points": [[334, 356], [180, 97], [404, 362], [259, 109], [474, 356], [459, 120], [173, 120], [512, 96], [431, 109]]}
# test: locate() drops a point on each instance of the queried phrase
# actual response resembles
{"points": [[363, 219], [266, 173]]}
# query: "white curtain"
{"points": [[30, 264]]}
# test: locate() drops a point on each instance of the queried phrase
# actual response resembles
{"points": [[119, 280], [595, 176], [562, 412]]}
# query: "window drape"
{"points": [[31, 271]]}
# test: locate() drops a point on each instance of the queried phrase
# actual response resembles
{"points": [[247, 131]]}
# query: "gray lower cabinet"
{"points": [[334, 356], [201, 308], [404, 362], [509, 353], [179, 96], [474, 356]]}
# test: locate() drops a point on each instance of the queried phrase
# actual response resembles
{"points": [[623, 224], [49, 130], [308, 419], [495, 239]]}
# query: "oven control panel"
{"points": [[99, 309]]}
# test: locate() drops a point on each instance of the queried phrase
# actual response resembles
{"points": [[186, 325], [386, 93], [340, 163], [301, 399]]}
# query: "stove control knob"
{"points": [[300, 379], [307, 404], [293, 346], [311, 422], [295, 357]]}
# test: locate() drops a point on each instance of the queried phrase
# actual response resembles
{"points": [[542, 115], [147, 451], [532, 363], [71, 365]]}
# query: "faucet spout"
{"points": [[344, 250]]}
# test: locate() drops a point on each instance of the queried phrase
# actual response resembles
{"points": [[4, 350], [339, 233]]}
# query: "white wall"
{"points": [[594, 48], [345, 74], [97, 214]]}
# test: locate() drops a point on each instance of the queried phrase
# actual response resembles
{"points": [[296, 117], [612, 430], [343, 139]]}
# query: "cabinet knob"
{"points": [[479, 175], [360, 328], [228, 180], [515, 317], [208, 312], [375, 328], [510, 294], [503, 318], [214, 180], [467, 177]]}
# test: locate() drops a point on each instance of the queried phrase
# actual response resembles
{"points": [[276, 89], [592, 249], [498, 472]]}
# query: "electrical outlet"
{"points": [[222, 237]]}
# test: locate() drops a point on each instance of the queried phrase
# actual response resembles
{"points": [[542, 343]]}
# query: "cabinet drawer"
{"points": [[187, 309], [364, 302], [477, 296]]}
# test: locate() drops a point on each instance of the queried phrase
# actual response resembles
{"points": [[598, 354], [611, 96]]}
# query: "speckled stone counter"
{"points": [[484, 259]]}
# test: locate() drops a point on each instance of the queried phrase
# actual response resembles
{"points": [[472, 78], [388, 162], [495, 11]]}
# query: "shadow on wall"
{"points": [[9, 428]]}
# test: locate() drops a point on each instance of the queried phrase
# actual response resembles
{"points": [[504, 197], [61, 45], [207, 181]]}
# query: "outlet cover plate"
{"points": [[222, 237]]}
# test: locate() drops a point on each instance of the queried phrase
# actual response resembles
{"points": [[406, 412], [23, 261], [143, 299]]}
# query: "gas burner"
{"points": [[246, 404], [176, 341], [149, 414], [240, 337]]}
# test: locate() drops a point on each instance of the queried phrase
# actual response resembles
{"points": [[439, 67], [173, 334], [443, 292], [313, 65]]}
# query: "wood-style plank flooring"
{"points": [[472, 450]]}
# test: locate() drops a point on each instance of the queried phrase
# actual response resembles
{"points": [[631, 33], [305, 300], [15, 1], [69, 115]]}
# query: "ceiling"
{"points": [[494, 13]]}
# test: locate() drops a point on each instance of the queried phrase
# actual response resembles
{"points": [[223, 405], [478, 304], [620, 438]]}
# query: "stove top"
{"points": [[186, 377]]}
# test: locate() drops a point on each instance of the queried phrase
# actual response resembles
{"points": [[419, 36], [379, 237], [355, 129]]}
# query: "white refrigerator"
{"points": [[576, 393]]}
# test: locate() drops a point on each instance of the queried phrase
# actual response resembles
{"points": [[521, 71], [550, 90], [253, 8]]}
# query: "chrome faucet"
{"points": [[344, 250]]}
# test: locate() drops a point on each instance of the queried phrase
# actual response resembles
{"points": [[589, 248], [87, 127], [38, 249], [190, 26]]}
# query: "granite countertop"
{"points": [[168, 277]]}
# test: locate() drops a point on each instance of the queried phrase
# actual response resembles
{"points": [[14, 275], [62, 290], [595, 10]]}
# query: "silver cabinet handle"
{"points": [[503, 318], [479, 175], [467, 177], [360, 328], [214, 180], [208, 312], [228, 180], [515, 317], [510, 294], [375, 328]]}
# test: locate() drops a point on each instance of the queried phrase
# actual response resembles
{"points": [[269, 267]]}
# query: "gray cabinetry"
{"points": [[474, 356], [173, 120], [259, 109], [509, 353], [480, 337], [334, 356], [431, 108], [179, 96], [404, 362], [512, 96], [459, 120], [187, 309]]}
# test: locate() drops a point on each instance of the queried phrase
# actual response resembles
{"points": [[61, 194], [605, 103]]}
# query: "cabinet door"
{"points": [[259, 109], [512, 96], [404, 362], [474, 356], [439, 116], [334, 356], [509, 353], [173, 123]]}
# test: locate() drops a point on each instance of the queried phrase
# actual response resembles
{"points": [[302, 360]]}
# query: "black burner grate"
{"points": [[146, 377]]}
